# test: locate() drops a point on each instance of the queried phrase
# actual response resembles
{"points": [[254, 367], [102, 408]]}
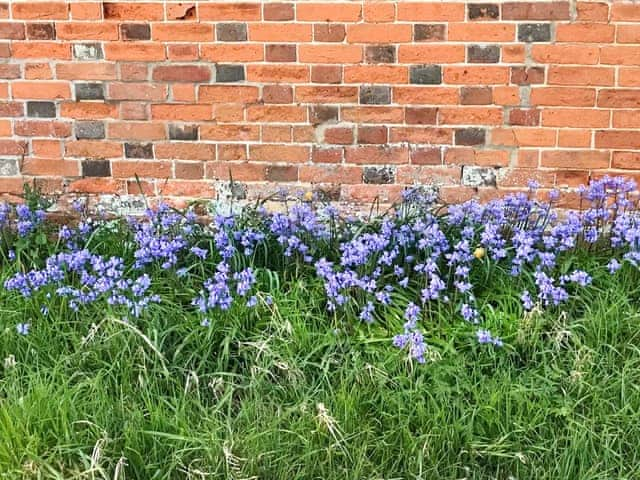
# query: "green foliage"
{"points": [[288, 391]]}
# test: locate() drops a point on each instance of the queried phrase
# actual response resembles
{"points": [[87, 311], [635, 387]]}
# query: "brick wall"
{"points": [[355, 99]]}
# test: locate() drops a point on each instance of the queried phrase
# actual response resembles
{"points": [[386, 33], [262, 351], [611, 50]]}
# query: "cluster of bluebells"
{"points": [[415, 257]]}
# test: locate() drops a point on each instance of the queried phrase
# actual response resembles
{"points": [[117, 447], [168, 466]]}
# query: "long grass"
{"points": [[289, 391]]}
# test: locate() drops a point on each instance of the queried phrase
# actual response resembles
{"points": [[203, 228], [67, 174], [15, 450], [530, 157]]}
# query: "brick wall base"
{"points": [[354, 99]]}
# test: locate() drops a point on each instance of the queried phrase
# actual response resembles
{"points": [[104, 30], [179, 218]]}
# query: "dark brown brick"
{"points": [[536, 10], [424, 32], [470, 136], [476, 96], [135, 31], [375, 95], [12, 31], [281, 173], [372, 135], [380, 54], [278, 12], [527, 75], [426, 156], [277, 94], [421, 115], [534, 32], [327, 32], [41, 31], [326, 74], [231, 32], [183, 132], [426, 74], [483, 54], [280, 53], [378, 175], [483, 11], [96, 168], [138, 150], [524, 117], [323, 113]]}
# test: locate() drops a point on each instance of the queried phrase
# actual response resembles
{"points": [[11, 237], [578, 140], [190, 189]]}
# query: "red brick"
{"points": [[320, 12], [373, 155], [41, 10], [535, 10], [86, 31], [617, 139], [592, 11], [181, 11], [580, 76], [329, 32], [578, 54], [219, 11], [186, 113], [85, 10], [577, 159], [278, 11], [279, 153], [136, 131], [185, 33], [572, 117], [233, 52], [44, 50], [137, 91], [182, 73], [44, 90], [133, 11], [618, 98], [586, 33], [225, 93], [86, 71], [431, 11], [563, 96], [186, 151], [130, 51]]}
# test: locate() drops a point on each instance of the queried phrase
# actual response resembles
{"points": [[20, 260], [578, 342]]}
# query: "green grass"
{"points": [[291, 392]]}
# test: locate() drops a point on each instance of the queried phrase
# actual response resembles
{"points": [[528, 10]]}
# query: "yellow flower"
{"points": [[479, 253], [308, 196]]}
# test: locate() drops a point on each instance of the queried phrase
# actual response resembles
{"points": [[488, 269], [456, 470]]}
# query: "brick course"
{"points": [[353, 98]]}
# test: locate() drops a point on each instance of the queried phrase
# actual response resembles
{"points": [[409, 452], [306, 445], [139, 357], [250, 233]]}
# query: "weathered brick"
{"points": [[41, 109], [473, 176], [483, 11], [534, 32], [375, 95], [280, 53], [135, 31], [380, 53], [229, 73], [138, 150], [182, 73], [41, 31], [89, 130], [378, 175], [278, 12], [89, 91], [429, 32], [9, 167], [426, 74], [87, 51], [527, 75], [96, 168], [483, 54], [470, 136], [329, 32], [183, 132], [475, 96], [231, 32]]}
